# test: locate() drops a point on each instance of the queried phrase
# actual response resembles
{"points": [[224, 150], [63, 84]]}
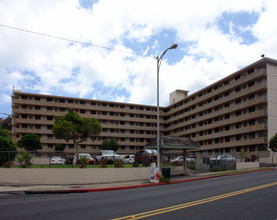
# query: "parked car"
{"points": [[69, 159], [109, 155], [129, 159], [179, 159], [224, 157], [88, 156], [56, 160], [148, 154]]}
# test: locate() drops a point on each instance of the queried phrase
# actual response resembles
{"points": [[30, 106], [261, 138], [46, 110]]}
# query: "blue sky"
{"points": [[214, 40]]}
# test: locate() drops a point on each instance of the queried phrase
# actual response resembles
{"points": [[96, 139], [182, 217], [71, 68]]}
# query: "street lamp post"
{"points": [[159, 61]]}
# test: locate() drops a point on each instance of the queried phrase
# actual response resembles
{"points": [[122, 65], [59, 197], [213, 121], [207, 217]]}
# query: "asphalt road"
{"points": [[247, 196]]}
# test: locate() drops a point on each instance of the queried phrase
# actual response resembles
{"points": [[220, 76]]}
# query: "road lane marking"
{"points": [[194, 203]]}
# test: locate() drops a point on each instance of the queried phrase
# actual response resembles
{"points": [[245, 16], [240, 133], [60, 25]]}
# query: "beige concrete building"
{"points": [[238, 111]]}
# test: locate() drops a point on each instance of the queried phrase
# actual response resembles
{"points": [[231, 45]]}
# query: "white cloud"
{"points": [[37, 63]]}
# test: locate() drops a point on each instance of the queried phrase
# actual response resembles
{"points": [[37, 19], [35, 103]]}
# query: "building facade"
{"points": [[238, 111]]}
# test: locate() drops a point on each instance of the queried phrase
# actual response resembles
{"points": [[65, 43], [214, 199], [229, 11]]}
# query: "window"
{"points": [[82, 102], [238, 137], [37, 107], [70, 101], [92, 103], [252, 96], [104, 104], [83, 146], [238, 125], [252, 83], [37, 98], [24, 116], [49, 108], [24, 126], [238, 101], [23, 97], [122, 106], [252, 122], [132, 115], [50, 145], [112, 131], [61, 100], [49, 99], [93, 112], [62, 109], [227, 127], [238, 113], [122, 139], [122, 115], [24, 106], [227, 116], [122, 131], [227, 139], [37, 126], [37, 117], [237, 77], [251, 109], [50, 136], [112, 105], [216, 130], [227, 105], [132, 131], [104, 113], [49, 118], [131, 107], [252, 135], [238, 89], [49, 127], [122, 123]]}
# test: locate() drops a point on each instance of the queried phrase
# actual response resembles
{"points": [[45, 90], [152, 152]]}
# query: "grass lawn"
{"points": [[236, 171], [70, 166]]}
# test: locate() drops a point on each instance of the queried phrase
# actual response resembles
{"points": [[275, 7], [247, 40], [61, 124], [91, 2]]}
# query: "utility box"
{"points": [[166, 172], [154, 174]]}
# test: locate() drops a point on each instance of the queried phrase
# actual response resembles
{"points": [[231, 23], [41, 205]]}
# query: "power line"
{"points": [[72, 41]]}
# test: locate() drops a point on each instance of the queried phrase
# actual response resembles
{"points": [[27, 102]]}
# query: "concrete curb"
{"points": [[156, 184]]}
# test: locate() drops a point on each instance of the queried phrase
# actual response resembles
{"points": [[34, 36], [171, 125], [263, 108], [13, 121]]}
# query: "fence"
{"points": [[193, 163]]}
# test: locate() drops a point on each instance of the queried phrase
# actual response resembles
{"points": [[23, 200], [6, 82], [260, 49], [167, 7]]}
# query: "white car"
{"points": [[129, 159], [109, 155], [56, 160], [224, 157]]}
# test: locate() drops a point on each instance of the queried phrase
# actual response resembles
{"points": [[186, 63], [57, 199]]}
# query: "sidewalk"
{"points": [[48, 189]]}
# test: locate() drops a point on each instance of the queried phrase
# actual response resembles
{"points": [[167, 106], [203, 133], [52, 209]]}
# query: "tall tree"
{"points": [[109, 144], [6, 144], [273, 143], [7, 123], [30, 142], [72, 127]]}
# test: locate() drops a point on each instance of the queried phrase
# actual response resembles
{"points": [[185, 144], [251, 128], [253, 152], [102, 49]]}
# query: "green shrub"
{"points": [[102, 163], [136, 163], [118, 164], [146, 163], [241, 154], [253, 158], [25, 160], [163, 179], [83, 161]]}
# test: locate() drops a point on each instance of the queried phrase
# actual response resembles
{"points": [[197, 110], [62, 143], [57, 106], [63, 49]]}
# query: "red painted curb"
{"points": [[156, 184]]}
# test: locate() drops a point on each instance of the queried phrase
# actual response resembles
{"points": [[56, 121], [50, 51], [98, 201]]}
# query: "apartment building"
{"points": [[238, 111]]}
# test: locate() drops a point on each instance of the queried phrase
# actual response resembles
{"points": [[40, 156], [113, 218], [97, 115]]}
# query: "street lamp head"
{"points": [[174, 46]]}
